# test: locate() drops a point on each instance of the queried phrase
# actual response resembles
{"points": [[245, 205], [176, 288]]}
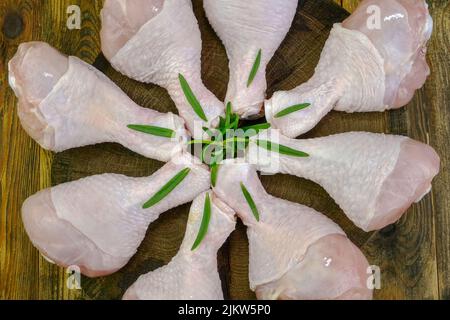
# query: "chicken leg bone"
{"points": [[154, 41], [97, 223], [192, 274], [374, 61], [65, 103], [374, 178], [295, 252], [246, 27]]}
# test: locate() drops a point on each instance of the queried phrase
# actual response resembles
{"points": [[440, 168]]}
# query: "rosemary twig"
{"points": [[292, 109], [274, 147], [256, 128], [167, 188], [204, 224], [153, 130], [228, 115], [250, 201], [214, 171]]}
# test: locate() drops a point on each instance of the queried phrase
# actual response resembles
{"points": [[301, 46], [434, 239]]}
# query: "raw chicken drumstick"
{"points": [[192, 274], [374, 178], [370, 62], [158, 41], [248, 28], [97, 223], [65, 103], [295, 252]]}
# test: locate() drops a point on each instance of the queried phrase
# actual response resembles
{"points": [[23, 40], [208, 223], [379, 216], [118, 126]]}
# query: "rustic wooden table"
{"points": [[413, 254]]}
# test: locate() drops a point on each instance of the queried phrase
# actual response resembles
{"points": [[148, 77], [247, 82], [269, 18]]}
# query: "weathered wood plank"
{"points": [[19, 159]]}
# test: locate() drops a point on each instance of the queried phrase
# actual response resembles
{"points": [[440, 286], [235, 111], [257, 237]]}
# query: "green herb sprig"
{"points": [[221, 142], [204, 224], [250, 201], [167, 188], [255, 68], [191, 98], [153, 130], [274, 147]]}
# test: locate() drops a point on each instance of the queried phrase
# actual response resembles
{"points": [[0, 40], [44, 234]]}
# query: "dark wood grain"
{"points": [[437, 101], [413, 254]]}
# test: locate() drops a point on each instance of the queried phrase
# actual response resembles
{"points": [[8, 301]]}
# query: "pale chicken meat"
{"points": [[295, 252], [374, 178], [248, 28], [65, 103], [192, 274], [374, 61], [157, 41], [97, 223]]}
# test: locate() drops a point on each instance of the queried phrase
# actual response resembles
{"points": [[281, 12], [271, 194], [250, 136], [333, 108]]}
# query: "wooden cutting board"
{"points": [[412, 255]]}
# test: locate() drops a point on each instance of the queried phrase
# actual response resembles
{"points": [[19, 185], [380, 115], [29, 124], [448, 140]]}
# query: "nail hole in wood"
{"points": [[388, 230], [12, 25]]}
